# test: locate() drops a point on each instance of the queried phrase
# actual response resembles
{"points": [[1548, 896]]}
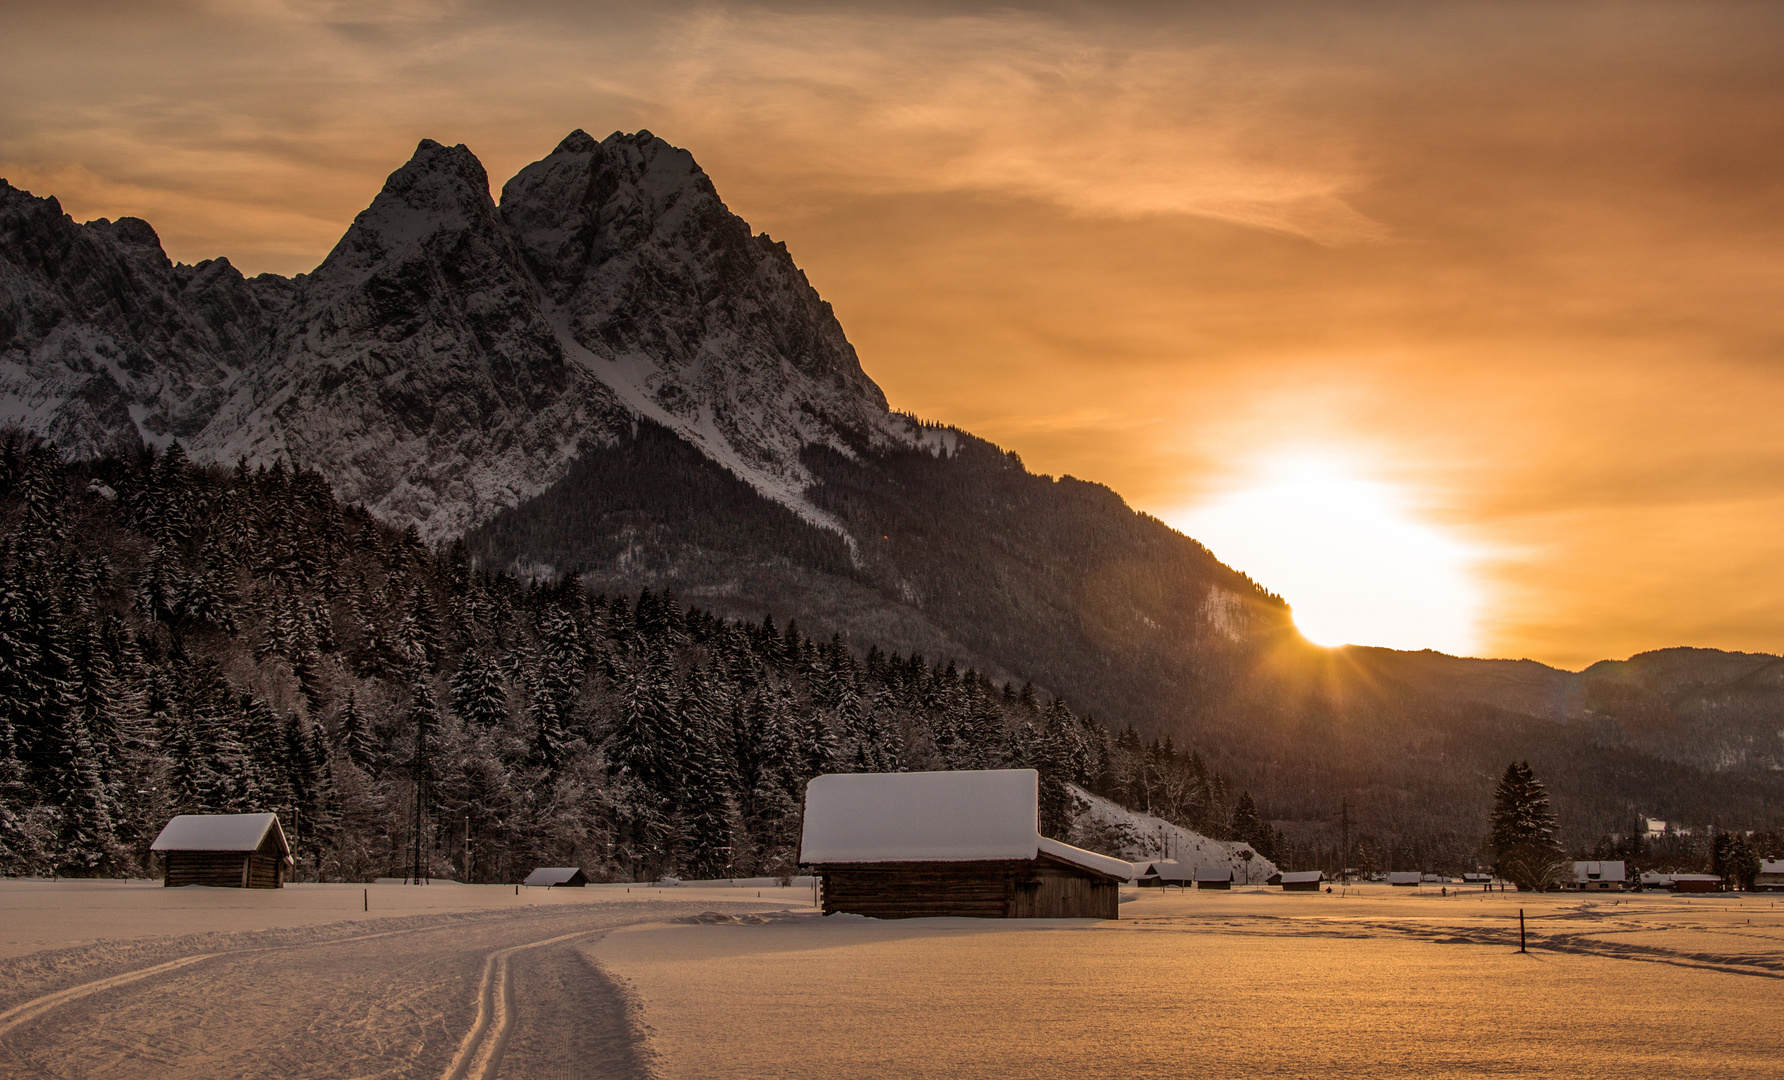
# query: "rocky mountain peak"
{"points": [[442, 191]]}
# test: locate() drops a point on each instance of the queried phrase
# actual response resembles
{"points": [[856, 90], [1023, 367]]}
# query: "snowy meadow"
{"points": [[696, 981]]}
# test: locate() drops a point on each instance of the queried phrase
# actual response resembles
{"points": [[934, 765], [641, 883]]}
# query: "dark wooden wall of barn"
{"points": [[1001, 889], [223, 869]]}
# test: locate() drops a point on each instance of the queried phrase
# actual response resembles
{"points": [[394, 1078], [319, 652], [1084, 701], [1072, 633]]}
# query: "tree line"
{"points": [[184, 639]]}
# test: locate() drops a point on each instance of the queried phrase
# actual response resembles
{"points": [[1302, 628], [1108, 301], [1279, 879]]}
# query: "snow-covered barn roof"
{"points": [[964, 816], [1404, 877], [1214, 873], [1292, 877], [221, 832], [552, 875], [1771, 866]]}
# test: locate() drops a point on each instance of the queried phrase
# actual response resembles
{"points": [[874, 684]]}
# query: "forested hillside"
{"points": [[182, 639]]}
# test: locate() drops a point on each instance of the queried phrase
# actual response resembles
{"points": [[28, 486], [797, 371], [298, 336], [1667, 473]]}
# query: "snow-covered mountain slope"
{"points": [[448, 359], [666, 298], [1156, 838]]}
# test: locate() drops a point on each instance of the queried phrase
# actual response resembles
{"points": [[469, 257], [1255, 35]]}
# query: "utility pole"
{"points": [[1344, 854], [416, 854]]}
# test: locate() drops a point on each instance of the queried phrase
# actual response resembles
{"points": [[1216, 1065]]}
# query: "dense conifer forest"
{"points": [[177, 639]]}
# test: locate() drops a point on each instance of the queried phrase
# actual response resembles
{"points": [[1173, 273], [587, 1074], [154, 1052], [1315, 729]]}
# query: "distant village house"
{"points": [[1771, 876], [1696, 883], [1596, 876]]}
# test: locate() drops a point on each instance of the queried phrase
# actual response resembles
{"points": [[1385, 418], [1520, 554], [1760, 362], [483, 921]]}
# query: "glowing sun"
{"points": [[1349, 555]]}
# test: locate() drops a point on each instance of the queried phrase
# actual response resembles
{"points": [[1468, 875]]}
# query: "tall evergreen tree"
{"points": [[1523, 830]]}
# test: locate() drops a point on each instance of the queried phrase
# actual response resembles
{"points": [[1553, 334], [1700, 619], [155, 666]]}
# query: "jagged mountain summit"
{"points": [[449, 357]]}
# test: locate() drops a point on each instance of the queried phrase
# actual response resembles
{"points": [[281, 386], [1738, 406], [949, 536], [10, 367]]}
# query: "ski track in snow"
{"points": [[383, 1004], [480, 1055]]}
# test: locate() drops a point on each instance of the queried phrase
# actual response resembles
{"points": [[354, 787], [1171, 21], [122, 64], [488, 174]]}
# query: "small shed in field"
{"points": [[1166, 872], [231, 851], [1214, 877], [1151, 875], [557, 877], [1608, 876], [1696, 883], [918, 845], [1404, 877], [1301, 880], [1771, 876], [1477, 879]]}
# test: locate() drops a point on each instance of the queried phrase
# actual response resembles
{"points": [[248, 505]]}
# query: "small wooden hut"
{"points": [[1214, 877], [1301, 880], [1405, 878], [556, 877], [919, 845], [228, 851]]}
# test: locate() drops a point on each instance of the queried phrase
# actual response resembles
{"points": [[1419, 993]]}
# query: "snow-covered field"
{"points": [[1377, 983], [128, 979]]}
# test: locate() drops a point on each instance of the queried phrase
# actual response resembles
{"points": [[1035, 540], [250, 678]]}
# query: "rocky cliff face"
{"points": [[668, 300], [104, 343], [415, 367]]}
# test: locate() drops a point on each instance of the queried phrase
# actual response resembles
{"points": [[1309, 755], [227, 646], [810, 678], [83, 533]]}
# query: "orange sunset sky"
{"points": [[1510, 274]]}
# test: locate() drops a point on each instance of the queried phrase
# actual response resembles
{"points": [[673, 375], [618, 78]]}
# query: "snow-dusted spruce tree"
{"points": [[1523, 835]]}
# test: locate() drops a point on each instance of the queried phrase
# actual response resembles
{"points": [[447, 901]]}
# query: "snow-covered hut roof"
{"points": [[221, 832], [964, 816], [1404, 877], [1291, 877], [1089, 860], [1771, 866], [1214, 873], [554, 875]]}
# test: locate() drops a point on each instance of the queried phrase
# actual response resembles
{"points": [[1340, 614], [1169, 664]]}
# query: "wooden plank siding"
{"points": [[263, 869], [1040, 888]]}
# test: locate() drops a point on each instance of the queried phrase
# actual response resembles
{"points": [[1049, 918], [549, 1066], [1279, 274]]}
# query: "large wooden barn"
{"points": [[916, 845], [233, 851]]}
